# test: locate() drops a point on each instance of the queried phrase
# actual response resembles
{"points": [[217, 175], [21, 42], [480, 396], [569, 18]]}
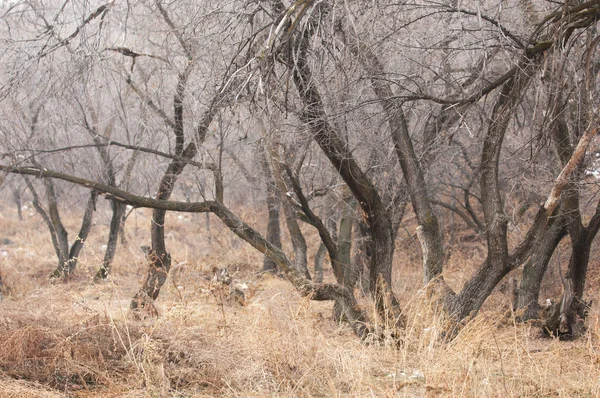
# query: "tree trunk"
{"points": [[378, 220], [347, 273], [67, 260], [468, 302], [572, 308], [296, 236], [62, 237], [273, 205], [431, 239], [159, 260], [535, 269], [118, 210], [17, 198], [362, 255], [58, 248], [86, 226], [319, 260], [349, 276]]}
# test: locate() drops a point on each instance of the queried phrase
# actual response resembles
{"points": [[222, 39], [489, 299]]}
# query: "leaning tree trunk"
{"points": [[295, 56]]}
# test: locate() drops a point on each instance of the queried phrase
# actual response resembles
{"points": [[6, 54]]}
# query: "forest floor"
{"points": [[78, 339]]}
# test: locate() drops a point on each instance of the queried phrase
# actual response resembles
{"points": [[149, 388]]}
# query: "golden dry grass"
{"points": [[79, 340]]}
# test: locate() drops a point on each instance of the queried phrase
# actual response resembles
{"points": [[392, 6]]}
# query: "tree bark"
{"points": [[159, 260], [319, 260], [273, 206], [86, 226], [535, 269], [118, 210], [348, 274]]}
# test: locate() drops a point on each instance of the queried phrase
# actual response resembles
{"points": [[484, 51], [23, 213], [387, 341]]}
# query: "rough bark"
{"points": [[535, 268], [319, 260], [348, 274]]}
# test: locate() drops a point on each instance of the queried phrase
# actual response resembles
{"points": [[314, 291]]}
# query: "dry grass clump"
{"points": [[67, 351], [11, 388]]}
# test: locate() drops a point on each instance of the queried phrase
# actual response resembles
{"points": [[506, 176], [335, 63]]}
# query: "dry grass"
{"points": [[79, 340]]}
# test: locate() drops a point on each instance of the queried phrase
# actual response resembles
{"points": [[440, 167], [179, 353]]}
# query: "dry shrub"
{"points": [[70, 357]]}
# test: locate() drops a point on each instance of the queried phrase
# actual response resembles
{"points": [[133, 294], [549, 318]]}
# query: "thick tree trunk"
{"points": [[572, 308], [273, 227], [347, 274], [362, 255], [535, 269]]}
